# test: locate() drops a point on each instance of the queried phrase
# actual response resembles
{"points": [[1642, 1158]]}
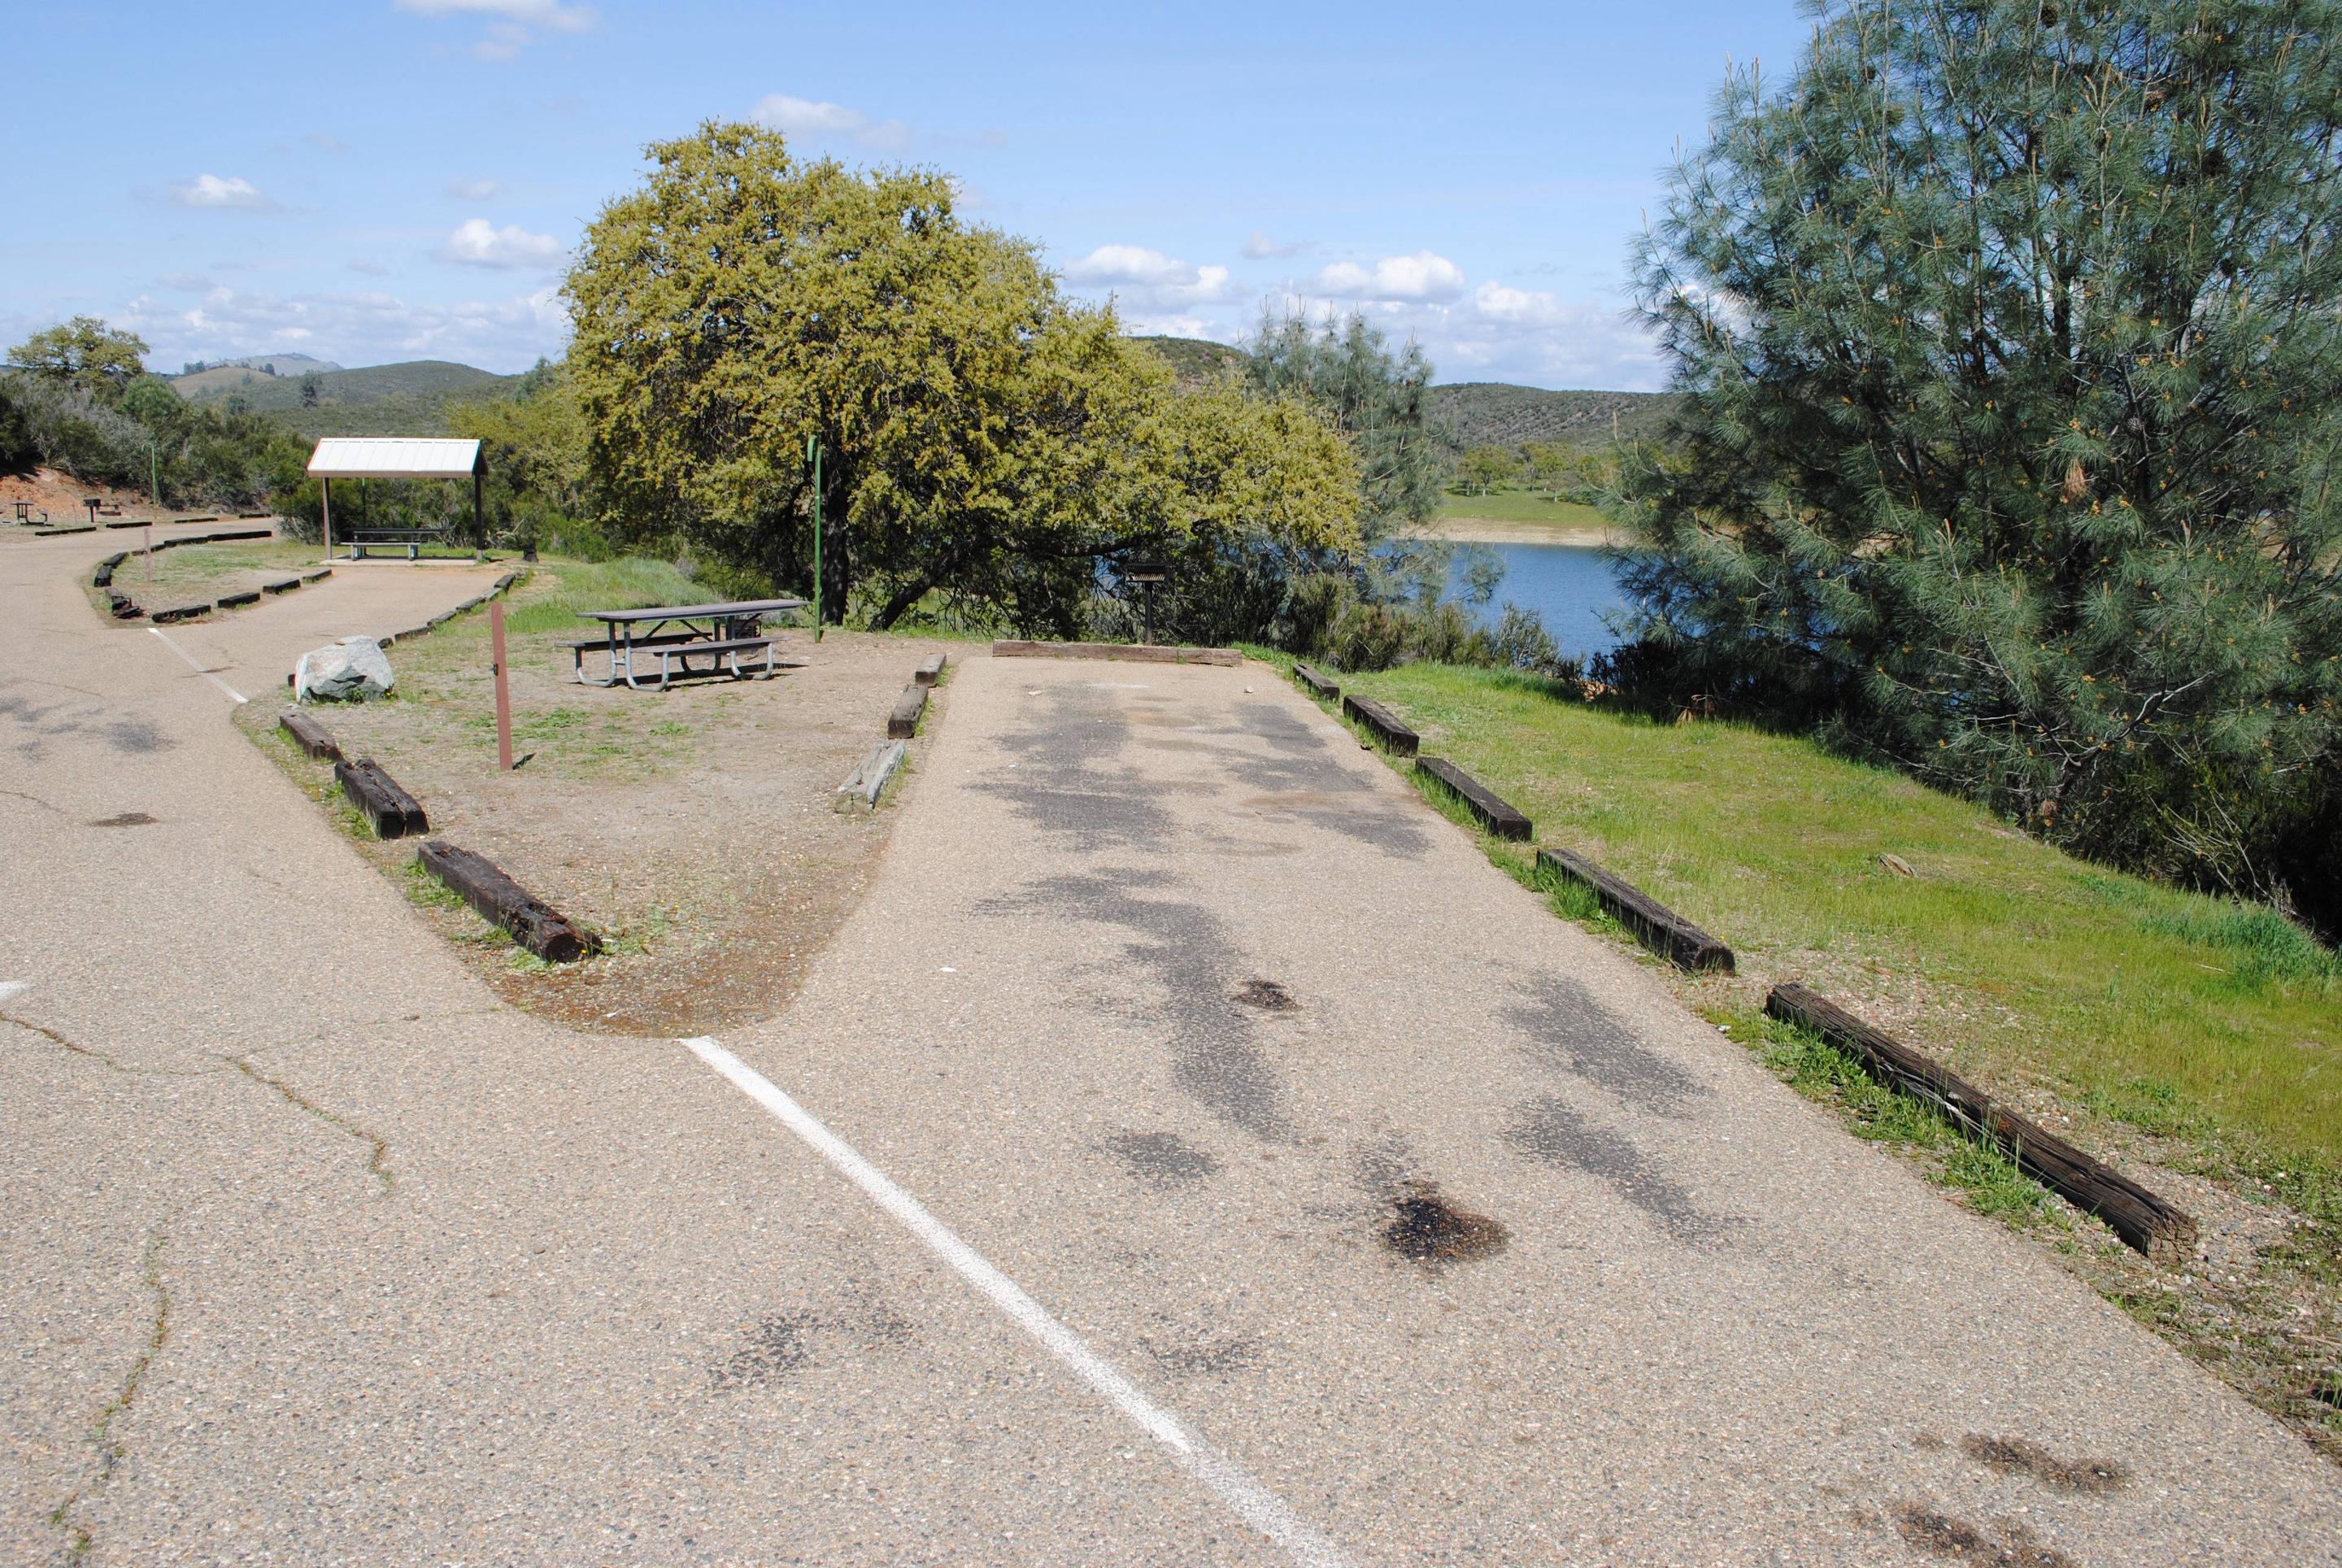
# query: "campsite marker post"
{"points": [[813, 456], [504, 688]]}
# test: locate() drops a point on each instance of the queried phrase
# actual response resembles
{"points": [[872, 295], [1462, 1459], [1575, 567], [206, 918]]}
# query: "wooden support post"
{"points": [[2142, 1219], [533, 923], [504, 688]]}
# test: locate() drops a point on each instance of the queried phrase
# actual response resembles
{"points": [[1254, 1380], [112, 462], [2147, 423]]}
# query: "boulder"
{"points": [[353, 669]]}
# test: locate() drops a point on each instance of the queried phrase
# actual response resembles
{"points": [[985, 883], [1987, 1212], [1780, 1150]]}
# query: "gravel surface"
{"points": [[1480, 1249]]}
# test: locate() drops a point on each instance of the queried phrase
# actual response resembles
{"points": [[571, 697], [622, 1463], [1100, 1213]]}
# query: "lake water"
{"points": [[1569, 586]]}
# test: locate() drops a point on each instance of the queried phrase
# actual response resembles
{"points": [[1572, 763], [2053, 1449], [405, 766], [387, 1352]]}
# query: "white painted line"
{"points": [[1253, 1503], [9, 987], [198, 669]]}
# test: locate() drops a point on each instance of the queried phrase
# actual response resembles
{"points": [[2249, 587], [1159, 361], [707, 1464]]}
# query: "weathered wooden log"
{"points": [[320, 574], [123, 607], [1383, 724], [930, 670], [1492, 812], [237, 600], [285, 586], [105, 574], [309, 735], [533, 923], [393, 812], [904, 722], [503, 584], [863, 786], [1655, 926], [1135, 652], [182, 612], [1319, 683], [2144, 1221]]}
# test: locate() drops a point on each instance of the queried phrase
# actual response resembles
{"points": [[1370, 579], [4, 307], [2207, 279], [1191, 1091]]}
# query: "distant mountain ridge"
{"points": [[269, 364], [408, 399], [1500, 414], [412, 397]]}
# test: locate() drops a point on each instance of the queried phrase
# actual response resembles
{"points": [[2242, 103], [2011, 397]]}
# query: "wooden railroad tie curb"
{"points": [[1135, 652], [183, 612], [206, 518], [237, 600], [393, 812], [104, 574], [124, 607], [904, 722], [1383, 724], [1319, 683], [132, 523], [309, 735], [286, 586], [2144, 1221], [61, 533], [863, 786], [1494, 812], [320, 574], [930, 670], [533, 923], [1654, 924]]}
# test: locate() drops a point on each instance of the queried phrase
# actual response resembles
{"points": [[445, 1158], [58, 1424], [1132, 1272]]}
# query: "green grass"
{"points": [[560, 590], [2169, 1011], [1521, 506]]}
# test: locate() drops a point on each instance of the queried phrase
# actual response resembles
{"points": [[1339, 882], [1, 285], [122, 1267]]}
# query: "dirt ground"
{"points": [[694, 830], [61, 494]]}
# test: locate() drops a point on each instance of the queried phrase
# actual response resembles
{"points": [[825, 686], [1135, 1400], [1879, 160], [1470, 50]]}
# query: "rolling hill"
{"points": [[1499, 414], [409, 398]]}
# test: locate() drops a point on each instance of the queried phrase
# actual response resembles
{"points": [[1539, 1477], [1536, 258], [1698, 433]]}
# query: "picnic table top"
{"points": [[693, 611]]}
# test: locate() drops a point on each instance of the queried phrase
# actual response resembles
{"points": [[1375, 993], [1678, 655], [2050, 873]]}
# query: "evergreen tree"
{"points": [[1375, 397], [2008, 336]]}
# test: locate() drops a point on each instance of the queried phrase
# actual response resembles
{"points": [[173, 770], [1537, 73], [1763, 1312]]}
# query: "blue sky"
{"points": [[376, 180]]}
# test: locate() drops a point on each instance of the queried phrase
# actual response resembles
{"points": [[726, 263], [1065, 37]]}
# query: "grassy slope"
{"points": [[2008, 958], [1521, 506]]}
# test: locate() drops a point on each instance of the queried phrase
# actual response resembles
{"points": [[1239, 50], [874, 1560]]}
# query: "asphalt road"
{"points": [[1190, 1151]]}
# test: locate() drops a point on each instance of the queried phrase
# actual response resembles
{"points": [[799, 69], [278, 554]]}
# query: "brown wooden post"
{"points": [[504, 688]]}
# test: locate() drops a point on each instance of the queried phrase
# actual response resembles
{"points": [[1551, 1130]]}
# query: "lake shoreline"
{"points": [[1501, 532]]}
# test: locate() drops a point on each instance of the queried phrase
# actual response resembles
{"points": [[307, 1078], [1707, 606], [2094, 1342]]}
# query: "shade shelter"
{"points": [[398, 457]]}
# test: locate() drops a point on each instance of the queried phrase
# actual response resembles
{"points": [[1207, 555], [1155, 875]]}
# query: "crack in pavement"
{"points": [[91, 1052], [377, 1162], [110, 1448]]}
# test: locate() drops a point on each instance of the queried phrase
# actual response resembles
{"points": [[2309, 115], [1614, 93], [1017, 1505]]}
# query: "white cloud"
{"points": [[1259, 247], [1148, 279], [211, 191], [824, 122], [477, 242], [1423, 275], [475, 188], [512, 25], [358, 329]]}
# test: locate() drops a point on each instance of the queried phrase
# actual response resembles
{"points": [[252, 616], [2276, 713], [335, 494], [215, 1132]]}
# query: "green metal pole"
{"points": [[155, 471], [813, 455]]}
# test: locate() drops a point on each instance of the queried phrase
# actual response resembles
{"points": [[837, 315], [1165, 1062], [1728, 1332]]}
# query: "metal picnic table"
{"points": [[716, 632]]}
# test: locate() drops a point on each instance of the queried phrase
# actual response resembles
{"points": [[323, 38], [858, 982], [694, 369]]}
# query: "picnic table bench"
{"points": [[363, 539], [719, 633]]}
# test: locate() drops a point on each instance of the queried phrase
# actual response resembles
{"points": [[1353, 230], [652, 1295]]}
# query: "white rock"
{"points": [[353, 669]]}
